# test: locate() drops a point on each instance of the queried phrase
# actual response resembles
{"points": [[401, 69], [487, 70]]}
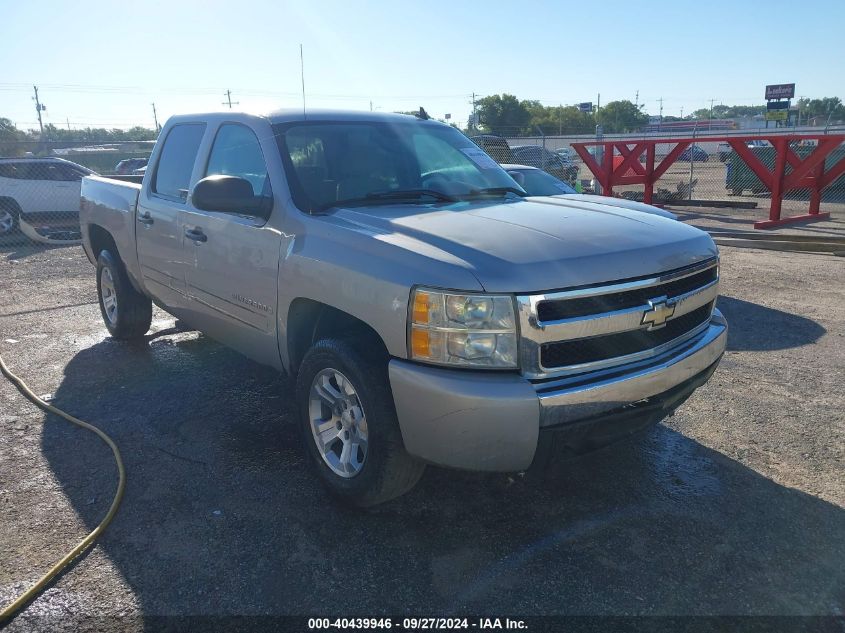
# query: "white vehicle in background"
{"points": [[40, 196], [536, 182]]}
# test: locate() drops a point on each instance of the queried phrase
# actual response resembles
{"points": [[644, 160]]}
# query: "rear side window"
{"points": [[68, 173], [11, 170], [173, 174]]}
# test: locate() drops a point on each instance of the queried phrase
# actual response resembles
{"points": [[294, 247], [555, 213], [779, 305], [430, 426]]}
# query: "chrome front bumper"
{"points": [[577, 397], [492, 421]]}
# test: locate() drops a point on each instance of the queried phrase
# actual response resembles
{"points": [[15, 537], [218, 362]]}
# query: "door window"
{"points": [[236, 152], [11, 170], [68, 173], [173, 173]]}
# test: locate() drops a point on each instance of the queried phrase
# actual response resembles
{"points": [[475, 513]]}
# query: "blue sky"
{"points": [[104, 63]]}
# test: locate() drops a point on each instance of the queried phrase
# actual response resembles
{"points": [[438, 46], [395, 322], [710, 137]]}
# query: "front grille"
{"points": [[599, 348], [571, 308]]}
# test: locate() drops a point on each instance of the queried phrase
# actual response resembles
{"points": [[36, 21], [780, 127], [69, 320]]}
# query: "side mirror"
{"points": [[229, 194], [518, 177]]}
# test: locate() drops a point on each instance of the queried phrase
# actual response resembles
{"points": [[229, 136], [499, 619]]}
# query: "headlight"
{"points": [[466, 330]]}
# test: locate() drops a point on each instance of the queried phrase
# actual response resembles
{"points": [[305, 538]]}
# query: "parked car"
{"points": [[725, 150], [42, 194], [538, 183], [130, 165], [566, 154], [554, 164], [428, 311], [694, 153], [495, 146]]}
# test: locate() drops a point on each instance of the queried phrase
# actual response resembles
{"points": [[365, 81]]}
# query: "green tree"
{"points": [[621, 116], [554, 120], [504, 114], [721, 111], [826, 108], [11, 139]]}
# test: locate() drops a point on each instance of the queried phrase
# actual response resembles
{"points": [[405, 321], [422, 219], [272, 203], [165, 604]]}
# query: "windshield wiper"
{"points": [[496, 191], [410, 194], [391, 195]]}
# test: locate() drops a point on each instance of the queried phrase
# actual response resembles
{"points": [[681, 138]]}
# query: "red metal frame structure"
{"points": [[806, 173]]}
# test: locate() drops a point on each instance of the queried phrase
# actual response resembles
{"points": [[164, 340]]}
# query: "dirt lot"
{"points": [[732, 506]]}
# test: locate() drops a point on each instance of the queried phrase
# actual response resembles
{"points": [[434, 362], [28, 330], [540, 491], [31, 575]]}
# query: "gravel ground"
{"points": [[732, 506]]}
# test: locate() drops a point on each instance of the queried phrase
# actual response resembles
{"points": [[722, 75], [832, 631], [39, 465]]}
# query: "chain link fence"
{"points": [[709, 173], [40, 186], [40, 182]]}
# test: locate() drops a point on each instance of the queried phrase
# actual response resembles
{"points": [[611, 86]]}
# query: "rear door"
{"points": [[68, 187], [158, 233], [232, 268], [41, 189]]}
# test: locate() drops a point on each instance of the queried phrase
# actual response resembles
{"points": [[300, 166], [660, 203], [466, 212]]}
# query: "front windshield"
{"points": [[539, 183], [329, 163]]}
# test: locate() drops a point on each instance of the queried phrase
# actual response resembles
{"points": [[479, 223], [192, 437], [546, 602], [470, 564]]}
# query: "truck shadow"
{"points": [[221, 515], [751, 326]]}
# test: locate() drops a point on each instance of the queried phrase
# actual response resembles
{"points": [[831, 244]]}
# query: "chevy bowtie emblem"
{"points": [[659, 312]]}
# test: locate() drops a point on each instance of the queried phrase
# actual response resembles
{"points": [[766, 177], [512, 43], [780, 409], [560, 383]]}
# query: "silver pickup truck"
{"points": [[428, 311]]}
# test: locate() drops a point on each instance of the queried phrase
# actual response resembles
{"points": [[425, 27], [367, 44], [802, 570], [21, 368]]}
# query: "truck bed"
{"points": [[109, 203]]}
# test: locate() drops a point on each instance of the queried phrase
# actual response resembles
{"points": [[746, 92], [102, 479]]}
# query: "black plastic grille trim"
{"points": [[599, 348]]}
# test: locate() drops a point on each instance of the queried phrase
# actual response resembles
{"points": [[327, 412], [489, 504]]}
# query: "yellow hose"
{"points": [[33, 591]]}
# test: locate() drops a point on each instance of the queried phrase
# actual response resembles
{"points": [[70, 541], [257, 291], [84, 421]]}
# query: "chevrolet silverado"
{"points": [[428, 311]]}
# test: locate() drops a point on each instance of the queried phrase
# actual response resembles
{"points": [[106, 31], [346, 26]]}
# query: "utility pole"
{"points": [[598, 102], [68, 123], [637, 99], [155, 118], [39, 107], [474, 116], [229, 99], [660, 123], [302, 76], [682, 112], [560, 120], [710, 122]]}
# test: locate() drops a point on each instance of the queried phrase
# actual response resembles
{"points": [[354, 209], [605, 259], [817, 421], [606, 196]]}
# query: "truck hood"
{"points": [[622, 203], [532, 245]]}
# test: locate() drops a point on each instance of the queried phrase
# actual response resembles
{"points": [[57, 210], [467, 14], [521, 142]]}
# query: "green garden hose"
{"points": [[7, 612]]}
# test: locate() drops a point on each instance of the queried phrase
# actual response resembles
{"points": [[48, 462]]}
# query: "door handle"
{"points": [[196, 235], [145, 218]]}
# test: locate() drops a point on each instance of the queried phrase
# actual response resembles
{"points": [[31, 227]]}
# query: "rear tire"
{"points": [[363, 415], [126, 312]]}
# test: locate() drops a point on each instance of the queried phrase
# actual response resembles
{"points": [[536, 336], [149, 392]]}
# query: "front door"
{"points": [[232, 259], [159, 235]]}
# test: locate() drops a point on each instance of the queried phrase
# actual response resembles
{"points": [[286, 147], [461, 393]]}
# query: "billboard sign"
{"points": [[780, 91], [586, 106], [777, 105], [776, 115]]}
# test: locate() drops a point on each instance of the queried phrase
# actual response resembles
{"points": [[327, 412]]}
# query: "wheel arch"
{"points": [[309, 321], [9, 203], [99, 239]]}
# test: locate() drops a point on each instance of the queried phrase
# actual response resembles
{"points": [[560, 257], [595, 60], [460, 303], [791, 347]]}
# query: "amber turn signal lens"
{"points": [[421, 307], [421, 343]]}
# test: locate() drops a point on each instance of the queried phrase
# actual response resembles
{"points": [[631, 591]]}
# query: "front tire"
{"points": [[348, 424], [8, 219], [126, 312]]}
